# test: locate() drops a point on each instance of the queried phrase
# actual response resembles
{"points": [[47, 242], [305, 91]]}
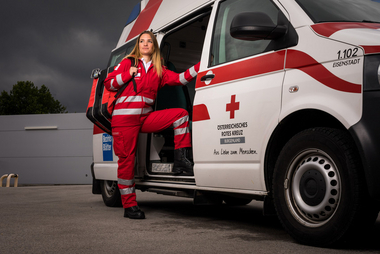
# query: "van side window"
{"points": [[224, 47]]}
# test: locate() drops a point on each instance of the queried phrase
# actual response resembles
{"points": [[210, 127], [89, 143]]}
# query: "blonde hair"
{"points": [[156, 55]]}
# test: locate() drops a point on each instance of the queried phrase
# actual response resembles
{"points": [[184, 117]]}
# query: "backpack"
{"points": [[102, 102]]}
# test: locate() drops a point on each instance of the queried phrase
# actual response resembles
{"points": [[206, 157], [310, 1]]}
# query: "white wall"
{"points": [[61, 155]]}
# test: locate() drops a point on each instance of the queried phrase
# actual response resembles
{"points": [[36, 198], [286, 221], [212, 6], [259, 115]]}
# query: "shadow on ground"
{"points": [[247, 218]]}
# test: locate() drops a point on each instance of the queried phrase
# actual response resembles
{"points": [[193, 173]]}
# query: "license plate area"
{"points": [[162, 167]]}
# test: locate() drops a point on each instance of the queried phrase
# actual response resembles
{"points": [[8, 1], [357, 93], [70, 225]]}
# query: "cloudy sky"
{"points": [[58, 43]]}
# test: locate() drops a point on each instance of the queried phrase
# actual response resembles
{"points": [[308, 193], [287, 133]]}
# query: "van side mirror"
{"points": [[95, 73], [253, 26]]}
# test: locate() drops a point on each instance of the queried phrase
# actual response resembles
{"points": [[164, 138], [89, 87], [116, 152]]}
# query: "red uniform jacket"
{"points": [[131, 105]]}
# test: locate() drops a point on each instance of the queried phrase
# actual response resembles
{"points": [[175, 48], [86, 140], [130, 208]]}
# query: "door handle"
{"points": [[208, 76]]}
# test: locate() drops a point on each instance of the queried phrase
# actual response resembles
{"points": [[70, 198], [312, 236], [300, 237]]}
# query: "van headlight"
{"points": [[372, 73]]}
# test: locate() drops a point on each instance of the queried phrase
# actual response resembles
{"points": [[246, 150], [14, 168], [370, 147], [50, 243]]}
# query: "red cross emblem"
{"points": [[232, 106]]}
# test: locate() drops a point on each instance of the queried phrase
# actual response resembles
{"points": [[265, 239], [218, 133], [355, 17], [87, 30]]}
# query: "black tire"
{"points": [[233, 201], [110, 193], [318, 189]]}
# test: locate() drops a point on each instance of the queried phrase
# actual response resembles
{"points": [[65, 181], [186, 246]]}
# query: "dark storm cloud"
{"points": [[58, 43]]}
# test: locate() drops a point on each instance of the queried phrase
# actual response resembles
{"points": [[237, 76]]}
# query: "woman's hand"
{"points": [[133, 71]]}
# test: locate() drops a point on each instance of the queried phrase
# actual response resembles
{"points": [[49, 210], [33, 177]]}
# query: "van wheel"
{"points": [[232, 201], [318, 192], [110, 193]]}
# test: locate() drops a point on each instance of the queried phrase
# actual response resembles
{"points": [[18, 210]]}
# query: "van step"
{"points": [[177, 193]]}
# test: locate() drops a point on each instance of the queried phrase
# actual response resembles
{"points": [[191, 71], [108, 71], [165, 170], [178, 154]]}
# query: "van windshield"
{"points": [[342, 10], [120, 53]]}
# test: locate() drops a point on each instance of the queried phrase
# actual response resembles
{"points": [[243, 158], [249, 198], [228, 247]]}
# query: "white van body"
{"points": [[285, 111]]}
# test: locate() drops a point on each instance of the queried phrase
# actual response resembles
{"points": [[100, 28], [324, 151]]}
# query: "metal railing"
{"points": [[15, 176]]}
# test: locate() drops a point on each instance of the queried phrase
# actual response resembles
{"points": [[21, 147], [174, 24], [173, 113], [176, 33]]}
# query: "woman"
{"points": [[133, 113]]}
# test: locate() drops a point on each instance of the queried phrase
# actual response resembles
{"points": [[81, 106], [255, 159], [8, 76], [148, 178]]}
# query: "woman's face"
{"points": [[146, 45]]}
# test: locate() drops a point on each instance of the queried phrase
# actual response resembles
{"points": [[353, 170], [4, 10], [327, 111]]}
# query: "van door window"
{"points": [[224, 47]]}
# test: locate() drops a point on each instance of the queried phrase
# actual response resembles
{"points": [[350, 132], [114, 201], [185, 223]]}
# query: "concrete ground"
{"points": [[70, 219]]}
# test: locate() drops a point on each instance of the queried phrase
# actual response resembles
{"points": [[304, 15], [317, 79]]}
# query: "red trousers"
{"points": [[125, 141]]}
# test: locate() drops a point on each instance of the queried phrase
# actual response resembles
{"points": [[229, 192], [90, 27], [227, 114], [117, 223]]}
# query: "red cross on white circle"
{"points": [[232, 106]]}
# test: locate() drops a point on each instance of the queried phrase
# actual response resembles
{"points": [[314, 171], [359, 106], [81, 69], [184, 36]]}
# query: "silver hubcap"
{"points": [[110, 188], [312, 188]]}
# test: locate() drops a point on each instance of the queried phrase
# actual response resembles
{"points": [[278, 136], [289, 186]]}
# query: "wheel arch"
{"points": [[287, 128]]}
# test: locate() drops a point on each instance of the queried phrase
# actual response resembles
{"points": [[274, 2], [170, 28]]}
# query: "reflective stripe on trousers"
{"points": [[179, 122], [131, 111], [127, 191]]}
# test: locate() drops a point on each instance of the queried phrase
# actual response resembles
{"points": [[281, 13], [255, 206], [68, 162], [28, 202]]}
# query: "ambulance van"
{"points": [[285, 110]]}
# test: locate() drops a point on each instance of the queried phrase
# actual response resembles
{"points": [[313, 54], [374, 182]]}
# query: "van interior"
{"points": [[181, 48]]}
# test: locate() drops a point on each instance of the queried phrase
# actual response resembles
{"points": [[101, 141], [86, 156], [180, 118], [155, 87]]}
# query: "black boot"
{"points": [[134, 212], [182, 162]]}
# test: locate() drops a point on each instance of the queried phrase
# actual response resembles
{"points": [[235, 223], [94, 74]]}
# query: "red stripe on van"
{"points": [[328, 29], [97, 130], [371, 49], [92, 95], [246, 68], [299, 60], [145, 18], [200, 113]]}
